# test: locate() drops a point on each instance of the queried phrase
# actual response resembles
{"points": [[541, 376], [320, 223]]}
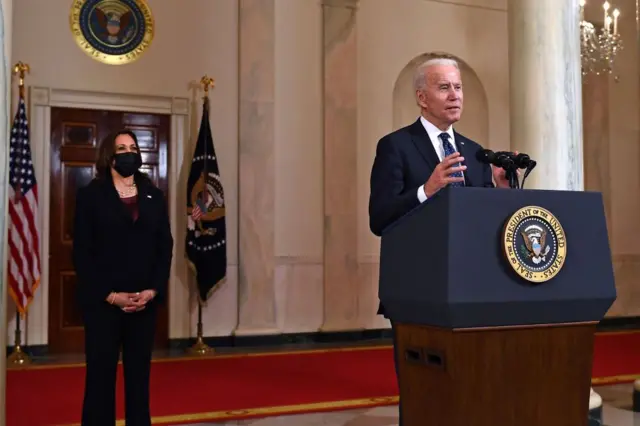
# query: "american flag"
{"points": [[24, 245]]}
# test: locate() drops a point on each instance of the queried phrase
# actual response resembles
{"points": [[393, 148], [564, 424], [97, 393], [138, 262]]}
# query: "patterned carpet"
{"points": [[379, 416], [617, 412]]}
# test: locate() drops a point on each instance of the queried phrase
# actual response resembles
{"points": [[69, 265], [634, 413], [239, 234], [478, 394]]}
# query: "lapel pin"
{"points": [[148, 196]]}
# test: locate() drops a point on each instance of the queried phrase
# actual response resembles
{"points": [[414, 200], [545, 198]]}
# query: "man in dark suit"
{"points": [[413, 163]]}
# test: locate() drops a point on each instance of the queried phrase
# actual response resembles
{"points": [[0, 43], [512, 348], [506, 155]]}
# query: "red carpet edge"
{"points": [[616, 360]]}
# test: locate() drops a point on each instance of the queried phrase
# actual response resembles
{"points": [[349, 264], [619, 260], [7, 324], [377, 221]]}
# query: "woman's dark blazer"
{"points": [[111, 252]]}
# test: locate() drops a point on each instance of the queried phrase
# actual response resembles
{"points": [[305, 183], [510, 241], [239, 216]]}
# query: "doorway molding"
{"points": [[41, 100]]}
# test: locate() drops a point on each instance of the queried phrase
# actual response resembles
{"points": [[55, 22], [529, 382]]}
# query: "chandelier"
{"points": [[598, 50]]}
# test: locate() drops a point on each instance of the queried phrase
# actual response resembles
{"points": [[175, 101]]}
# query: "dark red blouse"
{"points": [[132, 205]]}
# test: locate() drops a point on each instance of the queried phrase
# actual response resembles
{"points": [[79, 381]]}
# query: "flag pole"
{"points": [[18, 356], [200, 347]]}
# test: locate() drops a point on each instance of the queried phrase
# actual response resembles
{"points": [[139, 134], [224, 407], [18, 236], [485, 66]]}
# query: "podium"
{"points": [[494, 295]]}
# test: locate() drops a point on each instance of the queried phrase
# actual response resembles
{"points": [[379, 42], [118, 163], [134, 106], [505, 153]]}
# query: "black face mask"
{"points": [[127, 164]]}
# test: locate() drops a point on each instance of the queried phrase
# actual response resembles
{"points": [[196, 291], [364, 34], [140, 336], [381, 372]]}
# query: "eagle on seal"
{"points": [[535, 244], [113, 22]]}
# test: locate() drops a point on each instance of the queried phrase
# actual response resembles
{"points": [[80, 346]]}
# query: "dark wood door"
{"points": [[75, 135]]}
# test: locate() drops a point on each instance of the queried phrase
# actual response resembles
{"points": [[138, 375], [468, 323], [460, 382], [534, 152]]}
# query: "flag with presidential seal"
{"points": [[206, 241]]}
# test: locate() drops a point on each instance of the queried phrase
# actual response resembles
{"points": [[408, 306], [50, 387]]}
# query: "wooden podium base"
{"points": [[533, 376]]}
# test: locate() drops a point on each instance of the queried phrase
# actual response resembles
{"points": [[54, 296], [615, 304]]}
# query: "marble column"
{"points": [[340, 165], [546, 92], [5, 108], [256, 258]]}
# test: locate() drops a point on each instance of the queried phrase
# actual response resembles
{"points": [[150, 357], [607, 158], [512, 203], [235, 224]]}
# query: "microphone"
{"points": [[498, 159], [509, 162], [522, 161]]}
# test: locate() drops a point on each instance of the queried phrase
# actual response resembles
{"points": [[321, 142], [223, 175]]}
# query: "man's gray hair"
{"points": [[420, 76]]}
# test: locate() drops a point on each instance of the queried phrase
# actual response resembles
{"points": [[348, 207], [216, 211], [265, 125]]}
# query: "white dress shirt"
{"points": [[434, 136]]}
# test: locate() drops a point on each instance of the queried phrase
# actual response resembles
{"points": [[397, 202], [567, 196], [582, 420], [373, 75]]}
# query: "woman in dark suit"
{"points": [[122, 252]]}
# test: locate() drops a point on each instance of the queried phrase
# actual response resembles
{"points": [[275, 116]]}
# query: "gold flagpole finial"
{"points": [[207, 82], [21, 69]]}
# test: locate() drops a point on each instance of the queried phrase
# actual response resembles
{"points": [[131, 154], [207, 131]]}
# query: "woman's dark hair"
{"points": [[106, 151]]}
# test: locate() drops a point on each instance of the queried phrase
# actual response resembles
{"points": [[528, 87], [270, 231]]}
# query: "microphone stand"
{"points": [[511, 173], [513, 183], [530, 167]]}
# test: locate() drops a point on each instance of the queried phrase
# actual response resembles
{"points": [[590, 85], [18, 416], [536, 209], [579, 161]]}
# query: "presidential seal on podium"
{"points": [[114, 32], [534, 243]]}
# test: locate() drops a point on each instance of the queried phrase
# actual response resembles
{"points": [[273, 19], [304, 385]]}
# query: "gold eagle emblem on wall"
{"points": [[114, 32]]}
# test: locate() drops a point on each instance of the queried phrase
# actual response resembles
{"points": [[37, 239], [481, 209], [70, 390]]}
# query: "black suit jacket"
{"points": [[404, 161], [111, 252]]}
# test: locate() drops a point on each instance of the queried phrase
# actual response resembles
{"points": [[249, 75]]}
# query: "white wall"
{"points": [[5, 16], [203, 39], [391, 34], [189, 43]]}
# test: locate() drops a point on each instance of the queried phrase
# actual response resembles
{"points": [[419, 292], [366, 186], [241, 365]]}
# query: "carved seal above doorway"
{"points": [[115, 32]]}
